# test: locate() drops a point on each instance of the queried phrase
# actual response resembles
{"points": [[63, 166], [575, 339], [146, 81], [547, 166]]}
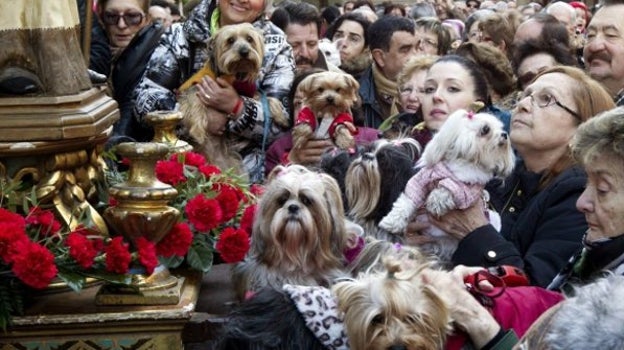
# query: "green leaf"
{"points": [[74, 280], [199, 257], [171, 262]]}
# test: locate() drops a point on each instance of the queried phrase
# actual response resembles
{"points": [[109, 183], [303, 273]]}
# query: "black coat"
{"points": [[540, 229]]}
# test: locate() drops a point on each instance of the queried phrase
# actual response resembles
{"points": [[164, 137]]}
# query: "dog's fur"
{"points": [[299, 233], [327, 95], [474, 148], [235, 54], [331, 52], [393, 309]]}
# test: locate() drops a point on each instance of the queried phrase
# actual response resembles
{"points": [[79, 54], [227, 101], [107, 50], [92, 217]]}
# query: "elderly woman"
{"points": [[599, 147], [183, 50], [132, 37], [541, 227], [434, 38]]}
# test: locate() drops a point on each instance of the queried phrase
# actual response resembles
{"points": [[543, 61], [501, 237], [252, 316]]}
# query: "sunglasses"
{"points": [[131, 18]]}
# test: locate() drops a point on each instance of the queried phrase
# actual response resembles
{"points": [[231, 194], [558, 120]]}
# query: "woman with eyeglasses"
{"points": [[433, 37], [182, 51], [348, 32], [541, 227], [132, 38]]}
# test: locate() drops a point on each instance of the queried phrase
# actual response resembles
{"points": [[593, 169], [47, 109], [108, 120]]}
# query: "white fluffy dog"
{"points": [[468, 151]]}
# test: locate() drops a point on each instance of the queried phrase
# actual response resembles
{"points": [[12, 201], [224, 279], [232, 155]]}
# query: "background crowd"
{"points": [[553, 73]]}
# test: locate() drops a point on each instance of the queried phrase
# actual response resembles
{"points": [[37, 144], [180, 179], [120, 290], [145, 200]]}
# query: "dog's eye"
{"points": [[281, 200], [377, 320], [305, 200], [231, 40], [320, 90], [485, 130], [338, 90], [249, 39]]}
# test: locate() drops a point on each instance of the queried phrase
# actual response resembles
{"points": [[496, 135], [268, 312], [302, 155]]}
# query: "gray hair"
{"points": [[592, 319], [422, 9]]}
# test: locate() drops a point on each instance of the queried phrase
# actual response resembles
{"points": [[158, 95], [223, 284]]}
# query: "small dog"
{"points": [[235, 53], [393, 309], [469, 150], [329, 49], [299, 233], [328, 98]]}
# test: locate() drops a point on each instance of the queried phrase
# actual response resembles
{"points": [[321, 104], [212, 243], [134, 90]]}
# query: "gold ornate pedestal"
{"points": [[72, 321], [53, 144]]}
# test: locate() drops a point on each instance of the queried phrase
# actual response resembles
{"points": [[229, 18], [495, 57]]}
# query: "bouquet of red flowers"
{"points": [[217, 210], [36, 250]]}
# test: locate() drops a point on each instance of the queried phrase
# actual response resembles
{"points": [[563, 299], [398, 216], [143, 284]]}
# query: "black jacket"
{"points": [[540, 229], [127, 70]]}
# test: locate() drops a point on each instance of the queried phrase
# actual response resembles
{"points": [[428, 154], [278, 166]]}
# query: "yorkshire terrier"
{"points": [[299, 233], [328, 98], [235, 53], [398, 304], [468, 151]]}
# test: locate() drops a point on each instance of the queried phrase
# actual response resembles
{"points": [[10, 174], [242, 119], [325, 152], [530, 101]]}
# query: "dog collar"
{"points": [[318, 308]]}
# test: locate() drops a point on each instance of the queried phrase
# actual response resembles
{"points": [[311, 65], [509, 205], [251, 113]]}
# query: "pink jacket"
{"points": [[431, 177]]}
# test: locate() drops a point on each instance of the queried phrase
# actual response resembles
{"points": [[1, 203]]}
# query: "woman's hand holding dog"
{"points": [[459, 223], [310, 153], [218, 94], [468, 314]]}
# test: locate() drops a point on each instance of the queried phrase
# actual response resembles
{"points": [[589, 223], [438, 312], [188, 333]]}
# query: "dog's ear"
{"points": [[353, 86], [307, 85]]}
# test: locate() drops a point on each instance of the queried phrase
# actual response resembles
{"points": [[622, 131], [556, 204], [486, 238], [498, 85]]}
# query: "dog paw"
{"points": [[397, 219], [344, 139], [439, 202]]}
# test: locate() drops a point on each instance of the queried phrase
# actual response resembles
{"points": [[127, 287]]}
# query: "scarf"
{"points": [[387, 90]]}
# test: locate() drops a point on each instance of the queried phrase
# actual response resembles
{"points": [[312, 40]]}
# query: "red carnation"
{"points": [[170, 172], [232, 245], [177, 242], [229, 201], [7, 216], [208, 170], [203, 213], [81, 249], [257, 190], [112, 202], [34, 265], [246, 222], [147, 254], [44, 220], [10, 234], [117, 256], [190, 158]]}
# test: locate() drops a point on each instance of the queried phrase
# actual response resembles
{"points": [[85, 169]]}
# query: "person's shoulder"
{"points": [[268, 27]]}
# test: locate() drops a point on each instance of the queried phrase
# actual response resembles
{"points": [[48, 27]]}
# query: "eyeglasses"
{"points": [[131, 19], [427, 43], [543, 99]]}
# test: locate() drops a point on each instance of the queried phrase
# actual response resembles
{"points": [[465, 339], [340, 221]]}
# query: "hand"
{"points": [[218, 94], [310, 153], [414, 233], [459, 223], [464, 309]]}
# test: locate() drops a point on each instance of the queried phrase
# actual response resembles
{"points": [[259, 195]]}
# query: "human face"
{"points": [[239, 11], [602, 202], [546, 130], [158, 13], [532, 65], [402, 47], [304, 41], [121, 33], [448, 87], [604, 50], [472, 6], [580, 20], [412, 91], [350, 40], [474, 33], [427, 42]]}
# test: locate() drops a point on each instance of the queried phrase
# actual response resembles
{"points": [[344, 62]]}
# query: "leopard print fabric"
{"points": [[320, 313]]}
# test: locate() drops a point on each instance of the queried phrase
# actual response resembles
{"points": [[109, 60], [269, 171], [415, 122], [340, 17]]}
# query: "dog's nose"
{"points": [[293, 208], [330, 99], [243, 51], [397, 347], [504, 135]]}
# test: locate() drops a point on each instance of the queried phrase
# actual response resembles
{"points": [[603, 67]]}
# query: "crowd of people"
{"points": [[553, 73]]}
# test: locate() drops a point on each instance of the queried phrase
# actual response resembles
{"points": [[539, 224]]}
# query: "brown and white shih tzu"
{"points": [[299, 233], [328, 98], [469, 150], [235, 53]]}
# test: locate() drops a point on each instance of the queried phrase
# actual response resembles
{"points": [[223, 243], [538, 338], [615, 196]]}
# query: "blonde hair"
{"points": [[413, 65]]}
